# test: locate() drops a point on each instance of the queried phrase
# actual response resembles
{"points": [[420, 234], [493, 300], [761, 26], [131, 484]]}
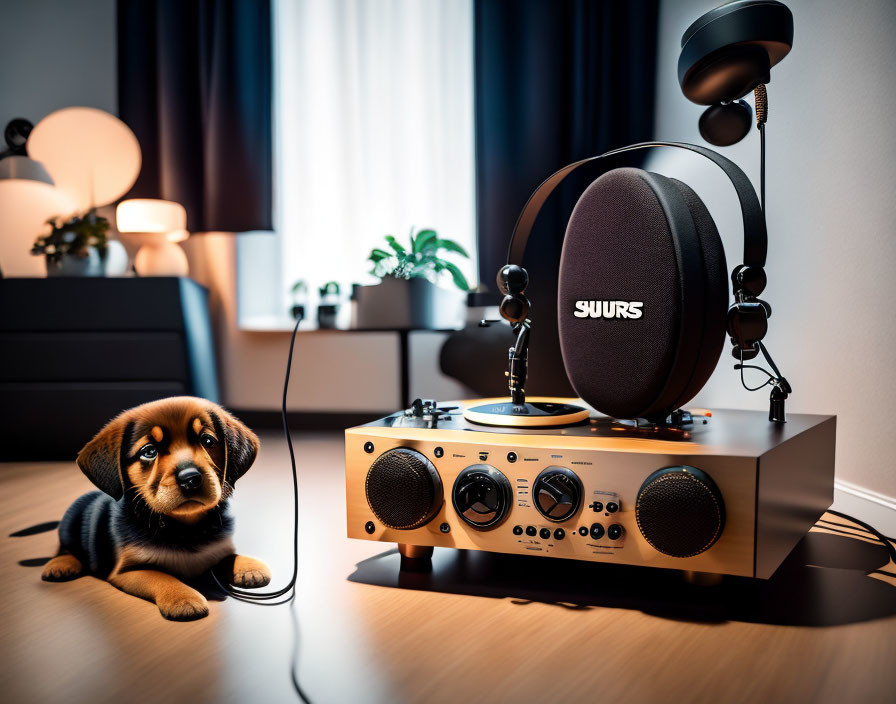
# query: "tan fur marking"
{"points": [[197, 426], [62, 568], [250, 572], [184, 563], [176, 601], [157, 433]]}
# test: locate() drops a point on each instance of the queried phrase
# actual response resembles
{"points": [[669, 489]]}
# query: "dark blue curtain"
{"points": [[194, 83], [555, 82]]}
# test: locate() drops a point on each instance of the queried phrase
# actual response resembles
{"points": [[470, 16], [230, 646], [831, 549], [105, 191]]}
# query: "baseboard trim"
{"points": [[307, 420], [872, 507], [865, 494]]}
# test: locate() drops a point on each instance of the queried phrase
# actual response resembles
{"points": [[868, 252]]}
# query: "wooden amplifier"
{"points": [[732, 494]]}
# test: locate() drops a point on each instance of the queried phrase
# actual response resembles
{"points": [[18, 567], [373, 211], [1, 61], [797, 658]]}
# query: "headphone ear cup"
{"points": [[716, 290], [515, 307], [726, 74], [726, 124]]}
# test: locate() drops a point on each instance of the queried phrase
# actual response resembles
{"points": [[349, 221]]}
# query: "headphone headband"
{"points": [[755, 235]]}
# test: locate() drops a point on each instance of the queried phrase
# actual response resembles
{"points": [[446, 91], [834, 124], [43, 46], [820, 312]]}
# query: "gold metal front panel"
{"points": [[608, 471]]}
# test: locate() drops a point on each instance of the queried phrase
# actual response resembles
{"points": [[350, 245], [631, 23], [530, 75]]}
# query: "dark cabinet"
{"points": [[74, 352]]}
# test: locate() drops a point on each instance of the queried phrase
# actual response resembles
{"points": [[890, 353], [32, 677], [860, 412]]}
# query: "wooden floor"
{"points": [[476, 628]]}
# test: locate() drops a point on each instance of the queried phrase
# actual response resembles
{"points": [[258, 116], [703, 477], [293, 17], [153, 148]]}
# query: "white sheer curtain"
{"points": [[374, 112]]}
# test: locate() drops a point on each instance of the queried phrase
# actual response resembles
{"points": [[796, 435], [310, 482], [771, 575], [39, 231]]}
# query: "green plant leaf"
{"points": [[376, 254], [424, 238], [457, 275], [393, 243], [451, 246]]}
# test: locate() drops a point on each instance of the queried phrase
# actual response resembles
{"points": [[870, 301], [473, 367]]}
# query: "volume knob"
{"points": [[482, 496], [403, 489], [557, 493]]}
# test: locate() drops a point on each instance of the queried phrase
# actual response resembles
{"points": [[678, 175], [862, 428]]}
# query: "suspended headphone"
{"points": [[643, 286], [727, 53]]}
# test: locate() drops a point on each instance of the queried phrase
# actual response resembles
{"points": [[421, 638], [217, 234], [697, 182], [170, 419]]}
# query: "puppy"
{"points": [[166, 470]]}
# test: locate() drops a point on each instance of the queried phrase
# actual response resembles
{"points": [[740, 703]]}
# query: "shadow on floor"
{"points": [[824, 582]]}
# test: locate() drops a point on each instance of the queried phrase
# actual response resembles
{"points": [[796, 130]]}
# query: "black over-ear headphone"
{"points": [[727, 53], [628, 224]]}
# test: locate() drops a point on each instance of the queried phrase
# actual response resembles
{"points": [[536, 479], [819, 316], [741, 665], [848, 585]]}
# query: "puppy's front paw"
{"points": [[62, 568], [250, 573], [187, 605]]}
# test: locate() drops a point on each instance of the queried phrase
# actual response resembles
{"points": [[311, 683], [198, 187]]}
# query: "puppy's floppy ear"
{"points": [[240, 443], [100, 459]]}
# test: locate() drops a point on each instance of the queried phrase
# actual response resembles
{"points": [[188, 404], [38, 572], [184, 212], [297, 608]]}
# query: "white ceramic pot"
{"points": [[71, 265], [117, 260], [414, 303]]}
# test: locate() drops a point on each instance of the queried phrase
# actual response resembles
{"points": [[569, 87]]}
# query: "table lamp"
{"points": [[160, 225], [28, 197]]}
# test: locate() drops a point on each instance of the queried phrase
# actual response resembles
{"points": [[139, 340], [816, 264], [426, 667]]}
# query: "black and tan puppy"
{"points": [[167, 469]]}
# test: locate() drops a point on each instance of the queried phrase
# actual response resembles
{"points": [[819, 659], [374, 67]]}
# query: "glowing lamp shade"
{"points": [[27, 199], [91, 155], [161, 224], [150, 216]]}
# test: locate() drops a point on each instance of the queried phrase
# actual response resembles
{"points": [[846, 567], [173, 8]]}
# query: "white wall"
{"points": [[332, 372], [831, 194], [58, 53], [54, 54]]}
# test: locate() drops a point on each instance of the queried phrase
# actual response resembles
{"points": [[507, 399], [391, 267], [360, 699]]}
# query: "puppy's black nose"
{"points": [[188, 479]]}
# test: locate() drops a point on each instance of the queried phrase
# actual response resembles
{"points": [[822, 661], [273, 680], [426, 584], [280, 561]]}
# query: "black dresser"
{"points": [[74, 352]]}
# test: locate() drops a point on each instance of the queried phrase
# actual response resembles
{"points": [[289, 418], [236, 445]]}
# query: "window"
{"points": [[373, 103]]}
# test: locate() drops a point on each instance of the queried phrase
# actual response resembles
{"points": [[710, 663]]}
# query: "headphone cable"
{"points": [[268, 598]]}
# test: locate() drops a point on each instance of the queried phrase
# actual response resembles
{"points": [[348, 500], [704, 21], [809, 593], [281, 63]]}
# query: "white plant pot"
{"points": [[117, 260], [71, 265], [413, 303]]}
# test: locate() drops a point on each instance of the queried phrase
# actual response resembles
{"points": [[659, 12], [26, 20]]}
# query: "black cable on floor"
{"points": [[891, 551], [273, 598]]}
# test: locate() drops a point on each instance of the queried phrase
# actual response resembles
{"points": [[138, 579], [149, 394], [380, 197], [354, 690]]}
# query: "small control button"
{"points": [[545, 533], [369, 527], [583, 531], [439, 452], [614, 532], [612, 507], [530, 530], [368, 447], [445, 528], [597, 506], [597, 531], [511, 457], [559, 534], [517, 530]]}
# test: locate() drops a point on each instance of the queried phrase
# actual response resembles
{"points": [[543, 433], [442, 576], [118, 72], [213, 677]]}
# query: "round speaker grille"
{"points": [[680, 511], [403, 489]]}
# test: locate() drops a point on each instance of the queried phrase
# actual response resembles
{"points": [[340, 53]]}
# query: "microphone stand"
{"points": [[517, 360]]}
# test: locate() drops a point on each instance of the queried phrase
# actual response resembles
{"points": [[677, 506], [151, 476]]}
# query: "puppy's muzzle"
{"points": [[189, 479]]}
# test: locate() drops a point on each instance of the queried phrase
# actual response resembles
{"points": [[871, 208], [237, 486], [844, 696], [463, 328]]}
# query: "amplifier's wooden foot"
{"points": [[702, 579], [415, 552]]}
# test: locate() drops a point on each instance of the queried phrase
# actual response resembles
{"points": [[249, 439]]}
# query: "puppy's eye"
{"points": [[208, 441], [148, 452]]}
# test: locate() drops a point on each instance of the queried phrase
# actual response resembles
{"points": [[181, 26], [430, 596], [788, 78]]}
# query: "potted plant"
{"points": [[75, 247], [299, 292], [408, 295], [328, 306]]}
